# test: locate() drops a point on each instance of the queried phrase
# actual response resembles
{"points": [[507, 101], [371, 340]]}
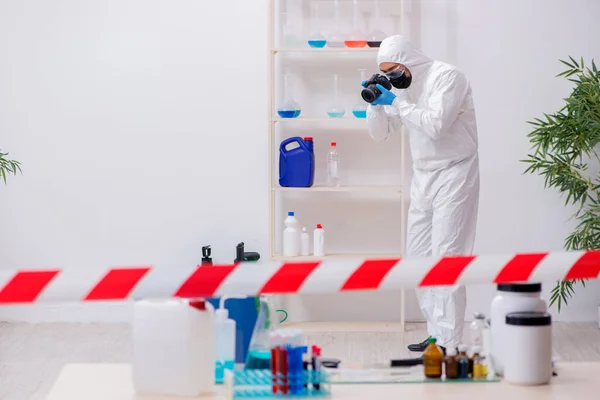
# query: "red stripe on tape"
{"points": [[446, 271], [26, 286], [369, 274], [204, 281], [117, 284], [519, 268], [289, 277], [588, 266]]}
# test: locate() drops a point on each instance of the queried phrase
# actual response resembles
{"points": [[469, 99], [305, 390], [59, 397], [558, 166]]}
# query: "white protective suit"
{"points": [[438, 114]]}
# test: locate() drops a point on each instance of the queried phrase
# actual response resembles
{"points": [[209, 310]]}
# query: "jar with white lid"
{"points": [[512, 297], [528, 352]]}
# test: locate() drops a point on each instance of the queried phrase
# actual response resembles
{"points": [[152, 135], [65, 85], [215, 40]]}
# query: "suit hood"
{"points": [[398, 49]]}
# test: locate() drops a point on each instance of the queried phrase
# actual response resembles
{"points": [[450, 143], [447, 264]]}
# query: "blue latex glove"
{"points": [[385, 99]]}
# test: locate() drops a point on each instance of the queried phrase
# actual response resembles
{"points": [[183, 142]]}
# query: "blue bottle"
{"points": [[296, 162]]}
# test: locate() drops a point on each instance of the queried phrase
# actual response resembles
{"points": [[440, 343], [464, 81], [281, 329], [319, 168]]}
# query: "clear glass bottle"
{"points": [[375, 37], [316, 40], [336, 39], [357, 38], [333, 167], [289, 108], [336, 110], [476, 330], [360, 108]]}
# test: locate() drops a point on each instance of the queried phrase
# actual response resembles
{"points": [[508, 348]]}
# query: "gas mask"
{"points": [[399, 79]]}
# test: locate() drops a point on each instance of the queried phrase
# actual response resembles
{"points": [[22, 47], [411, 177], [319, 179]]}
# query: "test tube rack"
{"points": [[258, 383]]}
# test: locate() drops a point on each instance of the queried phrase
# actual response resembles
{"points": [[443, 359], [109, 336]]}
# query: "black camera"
{"points": [[370, 91]]}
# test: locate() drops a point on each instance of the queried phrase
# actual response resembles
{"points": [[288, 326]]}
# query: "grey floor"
{"points": [[31, 356]]}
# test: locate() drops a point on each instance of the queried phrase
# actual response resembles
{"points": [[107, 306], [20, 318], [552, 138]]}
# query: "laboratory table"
{"points": [[113, 382]]}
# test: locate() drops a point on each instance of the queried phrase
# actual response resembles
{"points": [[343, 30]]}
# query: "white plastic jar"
{"points": [[528, 352], [513, 297]]}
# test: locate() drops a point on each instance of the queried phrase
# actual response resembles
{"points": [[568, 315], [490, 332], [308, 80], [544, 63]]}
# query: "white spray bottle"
{"points": [[224, 339]]}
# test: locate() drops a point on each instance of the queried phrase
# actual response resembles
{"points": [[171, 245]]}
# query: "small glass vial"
{"points": [[462, 362], [432, 360], [450, 364], [479, 366]]}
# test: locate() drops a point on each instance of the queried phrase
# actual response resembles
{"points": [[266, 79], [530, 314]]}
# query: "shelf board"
{"points": [[279, 257], [326, 50], [350, 118], [374, 188]]}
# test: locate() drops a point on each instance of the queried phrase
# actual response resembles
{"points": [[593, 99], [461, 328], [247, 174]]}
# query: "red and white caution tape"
{"points": [[302, 277]]}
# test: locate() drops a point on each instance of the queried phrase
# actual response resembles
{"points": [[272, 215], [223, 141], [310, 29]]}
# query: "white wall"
{"points": [[141, 125]]}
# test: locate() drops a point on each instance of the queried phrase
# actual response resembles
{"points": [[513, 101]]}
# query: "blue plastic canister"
{"points": [[296, 162]]}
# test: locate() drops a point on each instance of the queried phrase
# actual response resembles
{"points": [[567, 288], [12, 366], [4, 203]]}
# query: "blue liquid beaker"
{"points": [[317, 44], [360, 113], [336, 114]]}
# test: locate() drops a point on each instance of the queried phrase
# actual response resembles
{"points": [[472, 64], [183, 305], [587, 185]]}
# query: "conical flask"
{"points": [[336, 110], [336, 39], [357, 38], [259, 350], [360, 108], [375, 37], [289, 108], [316, 40]]}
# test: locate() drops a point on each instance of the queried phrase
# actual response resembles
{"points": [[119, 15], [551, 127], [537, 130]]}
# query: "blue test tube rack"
{"points": [[258, 383]]}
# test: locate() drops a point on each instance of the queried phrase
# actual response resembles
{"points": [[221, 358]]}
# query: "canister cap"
{"points": [[529, 319], [520, 287]]}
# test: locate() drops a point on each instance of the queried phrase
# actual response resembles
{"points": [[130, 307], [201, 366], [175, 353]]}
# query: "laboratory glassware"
{"points": [[290, 38], [316, 40], [336, 110], [376, 36], [336, 39], [333, 167], [259, 351], [357, 38], [289, 108], [360, 108]]}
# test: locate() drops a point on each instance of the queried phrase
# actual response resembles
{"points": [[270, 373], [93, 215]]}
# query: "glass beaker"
{"points": [[336, 39], [289, 108], [259, 351], [316, 40], [360, 109], [375, 37], [336, 110], [357, 38]]}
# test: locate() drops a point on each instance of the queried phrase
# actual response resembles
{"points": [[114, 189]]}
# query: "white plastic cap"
{"points": [[462, 348], [303, 229], [451, 351], [476, 349]]}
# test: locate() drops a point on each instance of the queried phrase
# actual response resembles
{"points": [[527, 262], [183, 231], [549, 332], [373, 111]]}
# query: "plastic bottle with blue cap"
{"points": [[224, 339], [291, 236]]}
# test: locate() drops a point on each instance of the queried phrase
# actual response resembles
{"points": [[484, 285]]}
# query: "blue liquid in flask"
{"points": [[336, 114], [360, 113], [258, 360], [289, 113], [317, 44]]}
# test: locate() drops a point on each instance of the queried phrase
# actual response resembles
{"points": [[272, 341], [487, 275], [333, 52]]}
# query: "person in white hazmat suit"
{"points": [[433, 101]]}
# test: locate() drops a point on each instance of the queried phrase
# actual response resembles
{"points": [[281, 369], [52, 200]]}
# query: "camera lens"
{"points": [[370, 93]]}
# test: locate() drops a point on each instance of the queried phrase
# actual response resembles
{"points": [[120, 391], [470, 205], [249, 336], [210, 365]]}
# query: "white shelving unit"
{"points": [[308, 125]]}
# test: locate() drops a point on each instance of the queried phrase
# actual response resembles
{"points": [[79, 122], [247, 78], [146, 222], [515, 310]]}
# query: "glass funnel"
{"points": [[375, 37], [357, 38], [316, 40], [289, 108], [360, 108], [259, 350], [336, 110], [336, 39]]}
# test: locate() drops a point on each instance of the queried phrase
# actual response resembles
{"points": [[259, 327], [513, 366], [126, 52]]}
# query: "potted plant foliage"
{"points": [[564, 145], [7, 166]]}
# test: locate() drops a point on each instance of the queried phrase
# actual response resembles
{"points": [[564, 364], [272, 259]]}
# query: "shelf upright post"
{"points": [[403, 219], [271, 122]]}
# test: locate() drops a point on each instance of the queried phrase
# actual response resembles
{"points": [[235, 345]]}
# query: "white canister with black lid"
{"points": [[528, 352], [511, 297]]}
